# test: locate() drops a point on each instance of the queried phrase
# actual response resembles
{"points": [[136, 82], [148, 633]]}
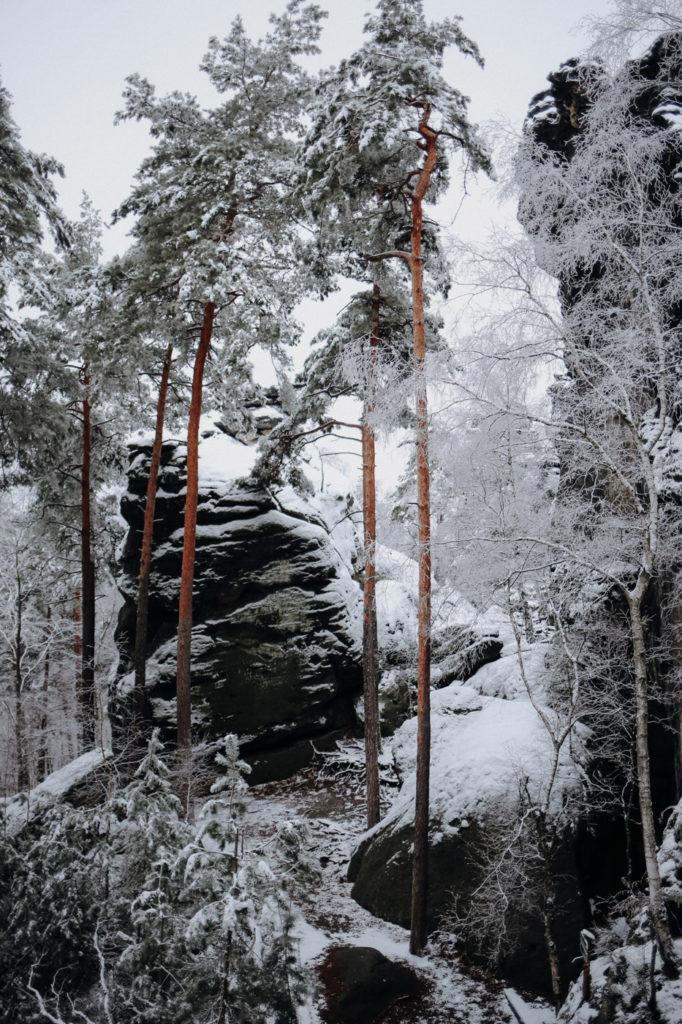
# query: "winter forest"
{"points": [[341, 679]]}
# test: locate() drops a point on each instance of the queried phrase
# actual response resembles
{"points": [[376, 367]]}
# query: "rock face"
{"points": [[361, 985], [275, 653], [460, 643], [490, 754]]}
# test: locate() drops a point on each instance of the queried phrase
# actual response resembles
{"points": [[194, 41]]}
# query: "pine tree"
{"points": [[146, 548], [214, 226], [28, 199], [91, 390], [385, 120], [366, 353]]}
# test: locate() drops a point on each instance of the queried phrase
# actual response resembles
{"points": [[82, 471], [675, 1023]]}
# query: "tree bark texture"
{"points": [[370, 666], [42, 753], [146, 552], [657, 911], [87, 680], [23, 780], [188, 551], [421, 817]]}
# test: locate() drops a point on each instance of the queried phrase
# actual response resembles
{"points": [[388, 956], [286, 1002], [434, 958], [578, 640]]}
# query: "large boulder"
{"points": [[276, 613], [360, 985], [81, 783], [462, 641], [490, 756]]}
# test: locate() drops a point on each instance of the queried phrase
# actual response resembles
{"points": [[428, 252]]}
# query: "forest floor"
{"points": [[453, 993]]}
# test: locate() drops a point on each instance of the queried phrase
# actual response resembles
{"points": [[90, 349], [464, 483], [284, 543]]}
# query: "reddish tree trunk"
{"points": [[370, 668], [421, 819], [146, 552], [87, 680], [188, 549]]}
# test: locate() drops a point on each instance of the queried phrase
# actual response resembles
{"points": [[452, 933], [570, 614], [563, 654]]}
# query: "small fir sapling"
{"points": [[240, 932], [53, 879]]}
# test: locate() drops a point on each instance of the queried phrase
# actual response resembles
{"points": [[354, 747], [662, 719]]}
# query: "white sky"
{"points": [[64, 63]]}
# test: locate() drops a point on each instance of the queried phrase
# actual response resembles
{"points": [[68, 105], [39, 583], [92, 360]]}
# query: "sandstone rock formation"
{"points": [[275, 652]]}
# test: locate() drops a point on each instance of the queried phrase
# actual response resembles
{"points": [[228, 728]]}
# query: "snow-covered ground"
{"points": [[335, 813], [21, 808]]}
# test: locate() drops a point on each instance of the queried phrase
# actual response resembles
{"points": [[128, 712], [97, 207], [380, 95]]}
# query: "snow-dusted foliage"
{"points": [[600, 199], [27, 201], [212, 203], [149, 916]]}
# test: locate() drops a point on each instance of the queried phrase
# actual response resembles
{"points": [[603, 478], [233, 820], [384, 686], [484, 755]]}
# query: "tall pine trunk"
{"points": [[44, 716], [146, 553], [657, 911], [370, 667], [184, 709], [87, 680], [19, 719], [421, 816]]}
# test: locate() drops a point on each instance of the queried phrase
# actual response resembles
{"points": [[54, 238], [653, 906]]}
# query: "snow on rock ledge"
{"points": [[60, 786], [276, 613], [482, 748]]}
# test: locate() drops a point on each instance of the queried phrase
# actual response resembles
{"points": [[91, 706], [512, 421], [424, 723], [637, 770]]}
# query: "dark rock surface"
{"points": [[381, 872], [481, 747], [459, 653], [275, 656], [361, 984]]}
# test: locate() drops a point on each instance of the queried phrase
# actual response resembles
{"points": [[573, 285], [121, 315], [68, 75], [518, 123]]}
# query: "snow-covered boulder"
{"points": [[485, 751], [276, 613], [460, 642], [84, 779]]}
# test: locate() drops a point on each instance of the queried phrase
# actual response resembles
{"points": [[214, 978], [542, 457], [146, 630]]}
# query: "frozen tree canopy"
{"points": [[340, 666]]}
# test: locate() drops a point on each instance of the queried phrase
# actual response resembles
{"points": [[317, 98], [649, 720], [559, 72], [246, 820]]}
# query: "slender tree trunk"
{"points": [[370, 667], [87, 681], [23, 780], [77, 636], [657, 911], [78, 661], [549, 902], [146, 553], [42, 755], [421, 817], [225, 980], [553, 958], [188, 550]]}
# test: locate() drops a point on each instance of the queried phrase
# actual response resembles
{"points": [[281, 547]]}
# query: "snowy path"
{"points": [[336, 817]]}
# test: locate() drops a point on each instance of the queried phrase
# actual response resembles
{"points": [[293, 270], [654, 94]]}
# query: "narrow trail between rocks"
{"points": [[335, 813]]}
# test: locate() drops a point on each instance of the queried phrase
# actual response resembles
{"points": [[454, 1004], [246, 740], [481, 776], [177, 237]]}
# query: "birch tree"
{"points": [[599, 197]]}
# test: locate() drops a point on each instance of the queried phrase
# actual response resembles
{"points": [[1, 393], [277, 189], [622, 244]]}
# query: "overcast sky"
{"points": [[65, 61]]}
